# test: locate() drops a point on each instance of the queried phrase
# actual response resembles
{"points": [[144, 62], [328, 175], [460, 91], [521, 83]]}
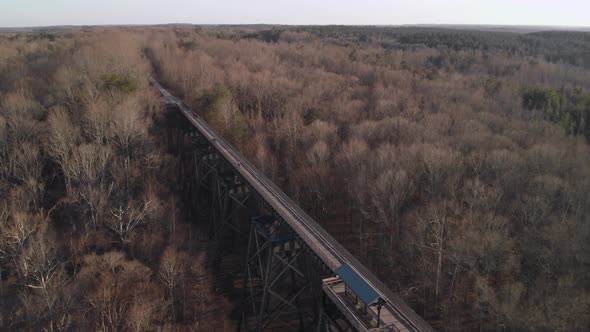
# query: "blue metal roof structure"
{"points": [[357, 284]]}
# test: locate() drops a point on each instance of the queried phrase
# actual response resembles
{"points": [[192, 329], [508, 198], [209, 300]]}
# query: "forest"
{"points": [[453, 164]]}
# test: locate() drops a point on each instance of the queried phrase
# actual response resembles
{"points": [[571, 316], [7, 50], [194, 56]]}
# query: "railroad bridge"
{"points": [[295, 275]]}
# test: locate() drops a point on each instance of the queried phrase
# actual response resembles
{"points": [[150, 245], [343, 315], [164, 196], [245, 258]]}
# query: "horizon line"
{"points": [[288, 24]]}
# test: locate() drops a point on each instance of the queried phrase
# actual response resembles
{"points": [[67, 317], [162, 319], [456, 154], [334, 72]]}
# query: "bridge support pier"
{"points": [[277, 280], [281, 289]]}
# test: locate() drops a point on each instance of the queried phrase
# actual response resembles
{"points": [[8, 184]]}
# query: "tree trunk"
{"points": [[453, 282], [438, 268]]}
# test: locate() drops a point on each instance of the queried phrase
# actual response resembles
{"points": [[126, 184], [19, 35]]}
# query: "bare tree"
{"points": [[316, 176], [436, 231], [128, 131], [98, 120], [443, 168], [19, 229], [4, 254], [27, 162], [109, 304], [388, 193], [353, 153], [114, 280], [126, 218], [142, 312], [44, 275], [88, 169], [172, 272], [4, 147], [128, 126], [63, 136]]}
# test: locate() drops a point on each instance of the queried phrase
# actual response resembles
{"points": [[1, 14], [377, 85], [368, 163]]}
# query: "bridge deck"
{"points": [[324, 245], [364, 318]]}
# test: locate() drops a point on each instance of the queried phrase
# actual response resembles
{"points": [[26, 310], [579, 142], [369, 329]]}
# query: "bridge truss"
{"points": [[289, 271]]}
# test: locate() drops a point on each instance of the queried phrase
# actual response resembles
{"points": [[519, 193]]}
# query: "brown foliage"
{"points": [[439, 169], [407, 143]]}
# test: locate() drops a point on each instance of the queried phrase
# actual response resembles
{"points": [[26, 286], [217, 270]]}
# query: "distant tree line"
{"points": [[570, 47]]}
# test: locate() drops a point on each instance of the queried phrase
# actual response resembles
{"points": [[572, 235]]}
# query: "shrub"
{"points": [[311, 115], [118, 82]]}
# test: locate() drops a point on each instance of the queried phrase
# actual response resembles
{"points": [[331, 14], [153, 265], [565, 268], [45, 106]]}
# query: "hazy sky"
{"points": [[91, 12]]}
